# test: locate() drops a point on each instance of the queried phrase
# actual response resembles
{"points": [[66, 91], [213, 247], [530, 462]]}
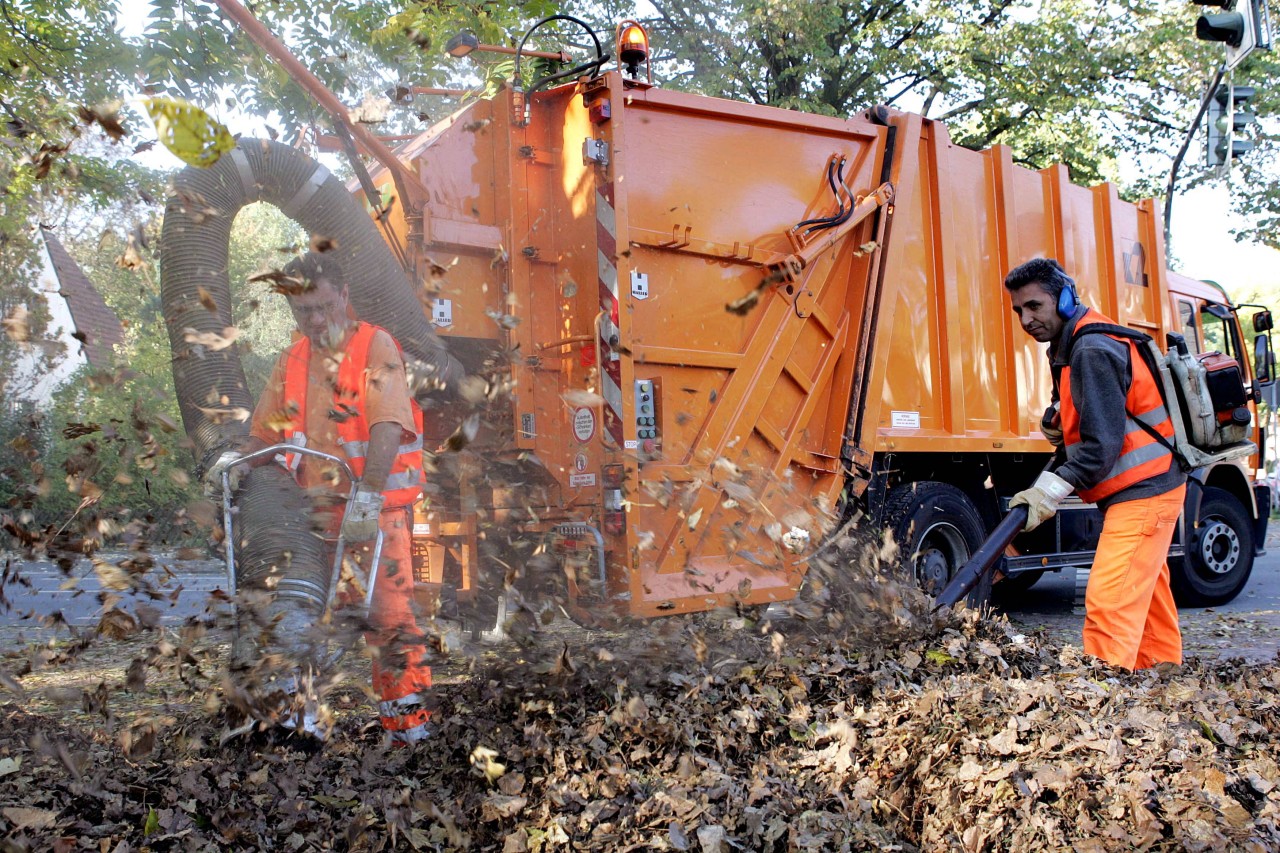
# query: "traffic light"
{"points": [[1229, 118], [1239, 27]]}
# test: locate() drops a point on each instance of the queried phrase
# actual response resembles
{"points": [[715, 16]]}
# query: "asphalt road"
{"points": [[1248, 627], [36, 595]]}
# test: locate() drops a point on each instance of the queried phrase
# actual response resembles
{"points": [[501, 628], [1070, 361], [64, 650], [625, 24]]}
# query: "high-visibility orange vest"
{"points": [[1141, 455], [404, 484]]}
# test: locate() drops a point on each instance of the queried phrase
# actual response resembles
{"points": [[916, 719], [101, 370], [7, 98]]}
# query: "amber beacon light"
{"points": [[633, 48]]}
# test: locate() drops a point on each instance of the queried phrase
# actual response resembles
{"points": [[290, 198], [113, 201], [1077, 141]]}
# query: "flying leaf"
{"points": [[321, 244], [222, 416], [372, 110], [282, 283], [206, 299], [16, 325], [578, 397], [484, 762], [131, 258], [212, 340], [194, 137], [106, 116]]}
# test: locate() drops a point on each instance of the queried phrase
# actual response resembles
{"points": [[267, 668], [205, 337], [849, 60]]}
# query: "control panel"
{"points": [[648, 412]]}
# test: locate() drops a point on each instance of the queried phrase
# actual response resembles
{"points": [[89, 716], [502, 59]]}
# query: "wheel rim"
{"points": [[942, 550], [1219, 547]]}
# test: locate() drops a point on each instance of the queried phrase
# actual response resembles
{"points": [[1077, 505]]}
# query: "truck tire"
{"points": [[938, 529], [1219, 555]]}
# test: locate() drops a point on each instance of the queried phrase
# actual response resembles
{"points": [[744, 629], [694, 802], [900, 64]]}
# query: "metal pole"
{"points": [[1177, 161]]}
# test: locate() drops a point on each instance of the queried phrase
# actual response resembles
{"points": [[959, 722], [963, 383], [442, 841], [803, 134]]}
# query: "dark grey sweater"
{"points": [[1100, 378]]}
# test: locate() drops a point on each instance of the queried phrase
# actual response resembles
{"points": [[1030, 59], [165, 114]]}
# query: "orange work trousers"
{"points": [[1130, 619], [401, 675]]}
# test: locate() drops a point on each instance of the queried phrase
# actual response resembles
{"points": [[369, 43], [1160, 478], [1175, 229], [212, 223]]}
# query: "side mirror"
{"points": [[1264, 360], [1262, 321]]}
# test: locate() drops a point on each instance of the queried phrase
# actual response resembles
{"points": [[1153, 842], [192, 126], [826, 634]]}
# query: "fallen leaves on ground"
{"points": [[699, 734]]}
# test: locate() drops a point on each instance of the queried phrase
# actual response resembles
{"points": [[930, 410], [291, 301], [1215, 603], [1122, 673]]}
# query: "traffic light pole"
{"points": [[1182, 152]]}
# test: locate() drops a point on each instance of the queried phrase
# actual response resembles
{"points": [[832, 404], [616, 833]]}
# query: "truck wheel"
{"points": [[938, 529], [1219, 555]]}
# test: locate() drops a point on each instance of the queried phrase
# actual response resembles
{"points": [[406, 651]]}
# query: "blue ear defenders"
{"points": [[1068, 302]]}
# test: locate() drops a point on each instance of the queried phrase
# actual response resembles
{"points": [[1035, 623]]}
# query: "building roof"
{"points": [[97, 327]]}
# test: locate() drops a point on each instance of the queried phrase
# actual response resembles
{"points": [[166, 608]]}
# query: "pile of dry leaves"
{"points": [[689, 736]]}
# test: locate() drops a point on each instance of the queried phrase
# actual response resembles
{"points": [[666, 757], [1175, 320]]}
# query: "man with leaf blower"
{"points": [[1109, 417], [341, 389]]}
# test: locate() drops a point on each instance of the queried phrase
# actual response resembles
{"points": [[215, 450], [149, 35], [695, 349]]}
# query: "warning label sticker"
{"points": [[584, 424], [905, 420]]}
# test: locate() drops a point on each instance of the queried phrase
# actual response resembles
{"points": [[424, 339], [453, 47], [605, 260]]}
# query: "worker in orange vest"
{"points": [[1109, 416], [341, 389]]}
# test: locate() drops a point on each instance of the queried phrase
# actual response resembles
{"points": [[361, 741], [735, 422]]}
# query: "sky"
{"points": [[1200, 232]]}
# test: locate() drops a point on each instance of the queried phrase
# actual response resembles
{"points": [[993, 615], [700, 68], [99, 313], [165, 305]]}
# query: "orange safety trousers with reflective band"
{"points": [[401, 675], [1130, 619], [1141, 456], [404, 484]]}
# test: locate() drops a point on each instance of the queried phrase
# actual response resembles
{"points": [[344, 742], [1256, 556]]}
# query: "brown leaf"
{"points": [[321, 244], [73, 430], [131, 258], [106, 116], [281, 283], [16, 325], [206, 299], [225, 415], [498, 806], [211, 341], [27, 818]]}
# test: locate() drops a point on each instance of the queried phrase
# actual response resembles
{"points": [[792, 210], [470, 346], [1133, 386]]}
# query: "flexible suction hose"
{"points": [[196, 295]]}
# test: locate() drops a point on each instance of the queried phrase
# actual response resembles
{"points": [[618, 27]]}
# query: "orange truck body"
{"points": [[711, 389]]}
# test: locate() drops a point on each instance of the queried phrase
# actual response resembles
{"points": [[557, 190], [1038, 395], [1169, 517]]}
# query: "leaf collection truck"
{"points": [[718, 330]]}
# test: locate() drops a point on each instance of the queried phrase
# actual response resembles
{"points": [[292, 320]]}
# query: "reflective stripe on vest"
{"points": [[404, 718], [404, 483], [1141, 456]]}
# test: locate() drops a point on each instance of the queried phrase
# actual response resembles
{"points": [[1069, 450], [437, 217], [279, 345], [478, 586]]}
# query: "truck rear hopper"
{"points": [[710, 389]]}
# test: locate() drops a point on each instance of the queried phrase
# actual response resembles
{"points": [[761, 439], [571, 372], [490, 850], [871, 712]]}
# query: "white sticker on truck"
{"points": [[584, 424], [905, 420]]}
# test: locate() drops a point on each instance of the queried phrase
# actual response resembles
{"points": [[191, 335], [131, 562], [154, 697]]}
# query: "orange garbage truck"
{"points": [[710, 332]]}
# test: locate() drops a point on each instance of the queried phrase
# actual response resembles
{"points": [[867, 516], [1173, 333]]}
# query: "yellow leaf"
{"points": [[189, 132], [112, 576]]}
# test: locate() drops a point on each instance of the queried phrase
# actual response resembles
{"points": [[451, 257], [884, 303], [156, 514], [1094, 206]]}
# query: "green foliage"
{"points": [[62, 150], [115, 437]]}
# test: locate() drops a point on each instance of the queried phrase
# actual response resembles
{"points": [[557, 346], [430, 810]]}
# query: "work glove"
{"points": [[228, 461], [360, 524], [1051, 425], [1042, 499]]}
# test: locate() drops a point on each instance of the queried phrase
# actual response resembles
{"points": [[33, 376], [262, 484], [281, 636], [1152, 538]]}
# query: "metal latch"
{"points": [[595, 151]]}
